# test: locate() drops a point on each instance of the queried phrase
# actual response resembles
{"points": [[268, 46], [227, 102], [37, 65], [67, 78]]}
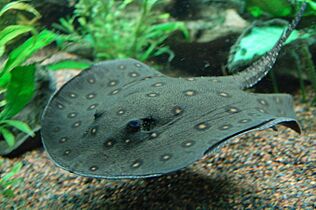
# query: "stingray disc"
{"points": [[122, 119]]}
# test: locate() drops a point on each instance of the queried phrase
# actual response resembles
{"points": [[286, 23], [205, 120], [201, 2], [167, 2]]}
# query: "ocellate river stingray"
{"points": [[123, 119]]}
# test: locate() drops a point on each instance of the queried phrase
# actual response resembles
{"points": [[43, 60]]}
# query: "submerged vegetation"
{"points": [[17, 76], [277, 8], [114, 30], [17, 80]]}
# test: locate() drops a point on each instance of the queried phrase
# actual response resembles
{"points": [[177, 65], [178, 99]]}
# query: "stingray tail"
{"points": [[257, 70]]}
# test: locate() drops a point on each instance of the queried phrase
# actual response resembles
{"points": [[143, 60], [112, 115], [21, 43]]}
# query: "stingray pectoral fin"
{"points": [[263, 111], [279, 107], [288, 122]]}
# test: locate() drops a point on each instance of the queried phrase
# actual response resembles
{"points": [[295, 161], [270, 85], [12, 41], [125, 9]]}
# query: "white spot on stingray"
{"points": [[225, 127], [137, 164], [138, 65], [153, 135], [262, 110], [72, 115], [158, 84], [67, 152], [91, 96], [93, 168], [233, 110], [121, 67], [63, 140], [72, 95], [60, 106], [112, 83], [190, 93], [109, 143], [166, 157], [91, 80], [263, 102], [244, 120], [76, 124], [177, 110], [93, 106], [93, 130], [120, 112], [223, 94], [152, 94], [202, 126], [187, 143], [115, 91]]}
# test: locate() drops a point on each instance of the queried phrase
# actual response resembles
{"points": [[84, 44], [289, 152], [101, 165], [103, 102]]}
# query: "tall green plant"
{"points": [[118, 29], [17, 81]]}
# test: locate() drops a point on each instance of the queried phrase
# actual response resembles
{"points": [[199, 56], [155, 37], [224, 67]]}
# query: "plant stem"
{"points": [[139, 26], [299, 74], [274, 82]]}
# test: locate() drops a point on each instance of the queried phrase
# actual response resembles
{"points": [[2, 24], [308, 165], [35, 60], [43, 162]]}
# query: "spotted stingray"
{"points": [[123, 119]]}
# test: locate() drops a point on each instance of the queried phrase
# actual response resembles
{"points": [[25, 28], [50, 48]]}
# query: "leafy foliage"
{"points": [[66, 64], [17, 80], [22, 6], [8, 182], [278, 8], [113, 32]]}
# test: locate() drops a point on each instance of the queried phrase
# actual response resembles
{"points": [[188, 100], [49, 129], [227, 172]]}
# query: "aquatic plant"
{"points": [[277, 8], [114, 30], [17, 79], [8, 182]]}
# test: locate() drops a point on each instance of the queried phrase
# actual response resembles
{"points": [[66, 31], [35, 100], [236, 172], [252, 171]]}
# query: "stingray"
{"points": [[123, 119]]}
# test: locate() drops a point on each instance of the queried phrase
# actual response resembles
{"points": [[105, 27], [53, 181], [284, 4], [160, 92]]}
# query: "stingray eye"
{"points": [[134, 125]]}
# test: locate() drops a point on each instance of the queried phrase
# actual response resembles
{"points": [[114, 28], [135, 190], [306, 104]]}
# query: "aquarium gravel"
{"points": [[262, 170]]}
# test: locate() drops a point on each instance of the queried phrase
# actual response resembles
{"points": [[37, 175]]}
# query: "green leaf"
{"points": [[8, 136], [69, 64], [11, 32], [19, 125], [18, 5], [5, 79], [255, 11], [19, 55], [8, 193], [19, 91], [16, 168], [259, 41], [278, 8]]}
